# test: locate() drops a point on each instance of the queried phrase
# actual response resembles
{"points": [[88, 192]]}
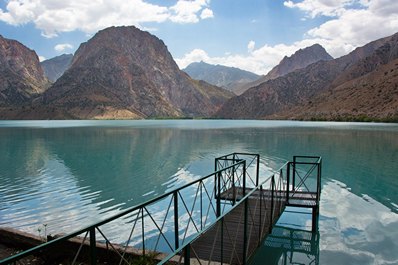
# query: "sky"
{"points": [[253, 35]]}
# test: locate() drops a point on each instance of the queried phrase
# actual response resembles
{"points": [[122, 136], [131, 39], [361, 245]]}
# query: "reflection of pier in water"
{"points": [[286, 242]]}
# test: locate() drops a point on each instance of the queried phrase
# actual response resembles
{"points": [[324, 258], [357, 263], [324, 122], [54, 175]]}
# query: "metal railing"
{"points": [[304, 178], [160, 225], [219, 218], [235, 236]]}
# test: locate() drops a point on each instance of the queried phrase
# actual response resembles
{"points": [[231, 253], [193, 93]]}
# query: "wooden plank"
{"points": [[228, 248]]}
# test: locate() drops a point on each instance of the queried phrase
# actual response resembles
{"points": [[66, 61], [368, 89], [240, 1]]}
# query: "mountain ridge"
{"points": [[299, 60], [227, 77], [135, 76], [278, 95]]}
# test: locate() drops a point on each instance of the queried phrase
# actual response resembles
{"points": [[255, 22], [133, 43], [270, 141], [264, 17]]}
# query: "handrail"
{"points": [[185, 247], [92, 227], [279, 196]]}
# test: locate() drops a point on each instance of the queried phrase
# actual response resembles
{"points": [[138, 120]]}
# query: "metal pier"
{"points": [[221, 218]]}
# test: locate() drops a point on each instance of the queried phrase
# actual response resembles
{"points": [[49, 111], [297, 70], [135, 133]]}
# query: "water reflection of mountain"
{"points": [[121, 164]]}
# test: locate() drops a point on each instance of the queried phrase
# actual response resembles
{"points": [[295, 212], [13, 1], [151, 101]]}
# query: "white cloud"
{"points": [[352, 23], [206, 13], [42, 58], [89, 16], [195, 55], [351, 26], [250, 46], [62, 47], [321, 7], [186, 11], [259, 60]]}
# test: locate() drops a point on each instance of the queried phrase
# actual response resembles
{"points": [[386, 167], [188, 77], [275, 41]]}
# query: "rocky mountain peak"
{"points": [[362, 82], [300, 59], [21, 76], [130, 71]]}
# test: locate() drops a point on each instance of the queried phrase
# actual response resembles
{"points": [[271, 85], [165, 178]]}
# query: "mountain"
{"points": [[289, 96], [21, 76], [367, 98], [55, 67], [223, 76], [300, 59], [133, 77]]}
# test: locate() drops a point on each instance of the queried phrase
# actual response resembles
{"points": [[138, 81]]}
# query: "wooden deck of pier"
{"points": [[298, 198], [225, 241]]}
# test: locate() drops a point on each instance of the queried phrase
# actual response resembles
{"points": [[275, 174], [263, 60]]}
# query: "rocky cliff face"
{"points": [[55, 67], [21, 76], [299, 60], [227, 77], [372, 97], [275, 98], [123, 72], [366, 90]]}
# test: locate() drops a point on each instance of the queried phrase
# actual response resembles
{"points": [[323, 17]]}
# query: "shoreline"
{"points": [[13, 241]]}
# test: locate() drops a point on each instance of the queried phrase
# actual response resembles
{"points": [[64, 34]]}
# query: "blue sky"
{"points": [[250, 34]]}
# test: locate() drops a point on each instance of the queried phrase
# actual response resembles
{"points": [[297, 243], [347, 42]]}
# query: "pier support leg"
{"points": [[93, 248], [315, 213]]}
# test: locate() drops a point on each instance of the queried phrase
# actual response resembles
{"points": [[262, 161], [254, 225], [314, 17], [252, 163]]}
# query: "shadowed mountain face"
{"points": [[294, 95], [123, 72], [21, 77], [55, 67], [227, 77]]}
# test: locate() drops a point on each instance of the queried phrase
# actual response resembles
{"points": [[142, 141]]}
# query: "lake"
{"points": [[66, 174]]}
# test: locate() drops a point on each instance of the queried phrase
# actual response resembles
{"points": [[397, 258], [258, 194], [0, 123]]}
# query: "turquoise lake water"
{"points": [[67, 174]]}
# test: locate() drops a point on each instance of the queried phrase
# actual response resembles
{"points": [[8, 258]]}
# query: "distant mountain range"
{"points": [[135, 77], [230, 78], [131, 78], [358, 86], [54, 68]]}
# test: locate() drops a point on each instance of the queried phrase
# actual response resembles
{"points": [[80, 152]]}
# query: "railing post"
{"points": [[245, 233], [222, 241], [261, 215], [320, 175], [233, 184], [288, 182], [294, 173], [258, 170], [272, 203], [143, 231], [244, 178], [218, 196], [187, 254], [201, 205], [176, 237], [317, 184], [93, 247]]}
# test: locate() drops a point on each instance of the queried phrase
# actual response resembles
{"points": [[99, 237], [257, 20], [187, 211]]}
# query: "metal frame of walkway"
{"points": [[218, 219]]}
